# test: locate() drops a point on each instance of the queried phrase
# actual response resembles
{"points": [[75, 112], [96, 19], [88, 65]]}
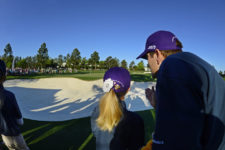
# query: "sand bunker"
{"points": [[58, 99]]}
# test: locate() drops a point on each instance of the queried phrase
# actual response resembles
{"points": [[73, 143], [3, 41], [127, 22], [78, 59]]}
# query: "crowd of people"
{"points": [[189, 100]]}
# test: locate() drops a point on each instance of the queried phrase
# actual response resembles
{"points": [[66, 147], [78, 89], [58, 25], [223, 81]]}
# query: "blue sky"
{"points": [[116, 28]]}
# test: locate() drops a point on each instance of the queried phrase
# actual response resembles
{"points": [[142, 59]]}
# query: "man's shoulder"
{"points": [[185, 67], [182, 56]]}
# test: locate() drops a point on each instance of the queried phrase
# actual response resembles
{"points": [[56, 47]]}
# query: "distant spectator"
{"points": [[10, 116]]}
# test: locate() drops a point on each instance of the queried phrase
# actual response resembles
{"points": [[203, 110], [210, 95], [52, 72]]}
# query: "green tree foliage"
{"points": [[68, 61], [30, 63], [51, 63], [124, 64], [60, 60], [107, 62], [75, 58], [17, 59], [102, 65], [140, 66], [111, 62], [94, 59], [35, 62], [42, 56], [84, 63], [8, 56], [131, 66], [22, 63]]}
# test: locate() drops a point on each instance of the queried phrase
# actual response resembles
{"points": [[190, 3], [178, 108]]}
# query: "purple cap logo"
{"points": [[162, 40], [116, 78]]}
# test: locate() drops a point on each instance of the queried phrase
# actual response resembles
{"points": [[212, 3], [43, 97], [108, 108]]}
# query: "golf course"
{"points": [[51, 117]]}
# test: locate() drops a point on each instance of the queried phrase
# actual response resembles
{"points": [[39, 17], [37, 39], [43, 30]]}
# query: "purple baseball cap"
{"points": [[119, 77], [162, 40]]}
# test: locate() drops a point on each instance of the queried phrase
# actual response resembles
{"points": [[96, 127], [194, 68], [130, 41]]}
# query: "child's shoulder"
{"points": [[8, 93], [132, 117]]}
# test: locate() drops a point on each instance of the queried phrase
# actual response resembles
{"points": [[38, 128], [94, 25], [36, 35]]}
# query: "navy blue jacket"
{"points": [[10, 112], [190, 111], [127, 135]]}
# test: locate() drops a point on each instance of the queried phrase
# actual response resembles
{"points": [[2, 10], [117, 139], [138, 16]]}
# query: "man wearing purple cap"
{"points": [[190, 97]]}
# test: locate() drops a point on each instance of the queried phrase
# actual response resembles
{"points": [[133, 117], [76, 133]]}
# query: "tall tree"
{"points": [[115, 62], [51, 63], [131, 66], [22, 63], [68, 61], [17, 59], [60, 60], [75, 58], [102, 65], [124, 64], [111, 62], [140, 66], [35, 62], [29, 62], [107, 62], [95, 59], [42, 56], [84, 63], [8, 56]]}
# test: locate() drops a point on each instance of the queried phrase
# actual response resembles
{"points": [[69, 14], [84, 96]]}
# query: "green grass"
{"points": [[69, 135], [84, 75]]}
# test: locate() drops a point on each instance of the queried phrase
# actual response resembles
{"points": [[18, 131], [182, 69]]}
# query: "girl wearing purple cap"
{"points": [[115, 127]]}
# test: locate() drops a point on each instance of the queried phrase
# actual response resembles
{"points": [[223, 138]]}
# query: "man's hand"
{"points": [[150, 95]]}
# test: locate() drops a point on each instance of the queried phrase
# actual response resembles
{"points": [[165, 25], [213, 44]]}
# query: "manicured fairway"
{"points": [[85, 75]]}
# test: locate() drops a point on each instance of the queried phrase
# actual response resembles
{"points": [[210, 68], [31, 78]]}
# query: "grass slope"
{"points": [[69, 135]]}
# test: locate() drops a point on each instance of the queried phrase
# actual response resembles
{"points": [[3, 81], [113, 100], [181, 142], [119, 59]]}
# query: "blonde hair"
{"points": [[110, 111]]}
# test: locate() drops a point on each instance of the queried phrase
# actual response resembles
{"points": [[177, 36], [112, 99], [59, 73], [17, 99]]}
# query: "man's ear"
{"points": [[159, 56], [158, 53]]}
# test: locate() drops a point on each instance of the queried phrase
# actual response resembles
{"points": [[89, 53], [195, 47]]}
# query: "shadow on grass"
{"points": [[70, 135], [66, 135]]}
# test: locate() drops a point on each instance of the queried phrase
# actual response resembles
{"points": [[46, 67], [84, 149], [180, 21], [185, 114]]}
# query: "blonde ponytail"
{"points": [[110, 111]]}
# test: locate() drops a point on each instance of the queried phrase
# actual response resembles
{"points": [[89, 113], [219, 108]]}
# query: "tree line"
{"points": [[71, 60]]}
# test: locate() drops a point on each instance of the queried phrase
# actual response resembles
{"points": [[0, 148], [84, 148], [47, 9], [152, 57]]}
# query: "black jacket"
{"points": [[10, 112], [190, 105], [127, 135]]}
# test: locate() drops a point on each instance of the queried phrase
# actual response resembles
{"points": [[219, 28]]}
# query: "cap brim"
{"points": [[143, 55]]}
